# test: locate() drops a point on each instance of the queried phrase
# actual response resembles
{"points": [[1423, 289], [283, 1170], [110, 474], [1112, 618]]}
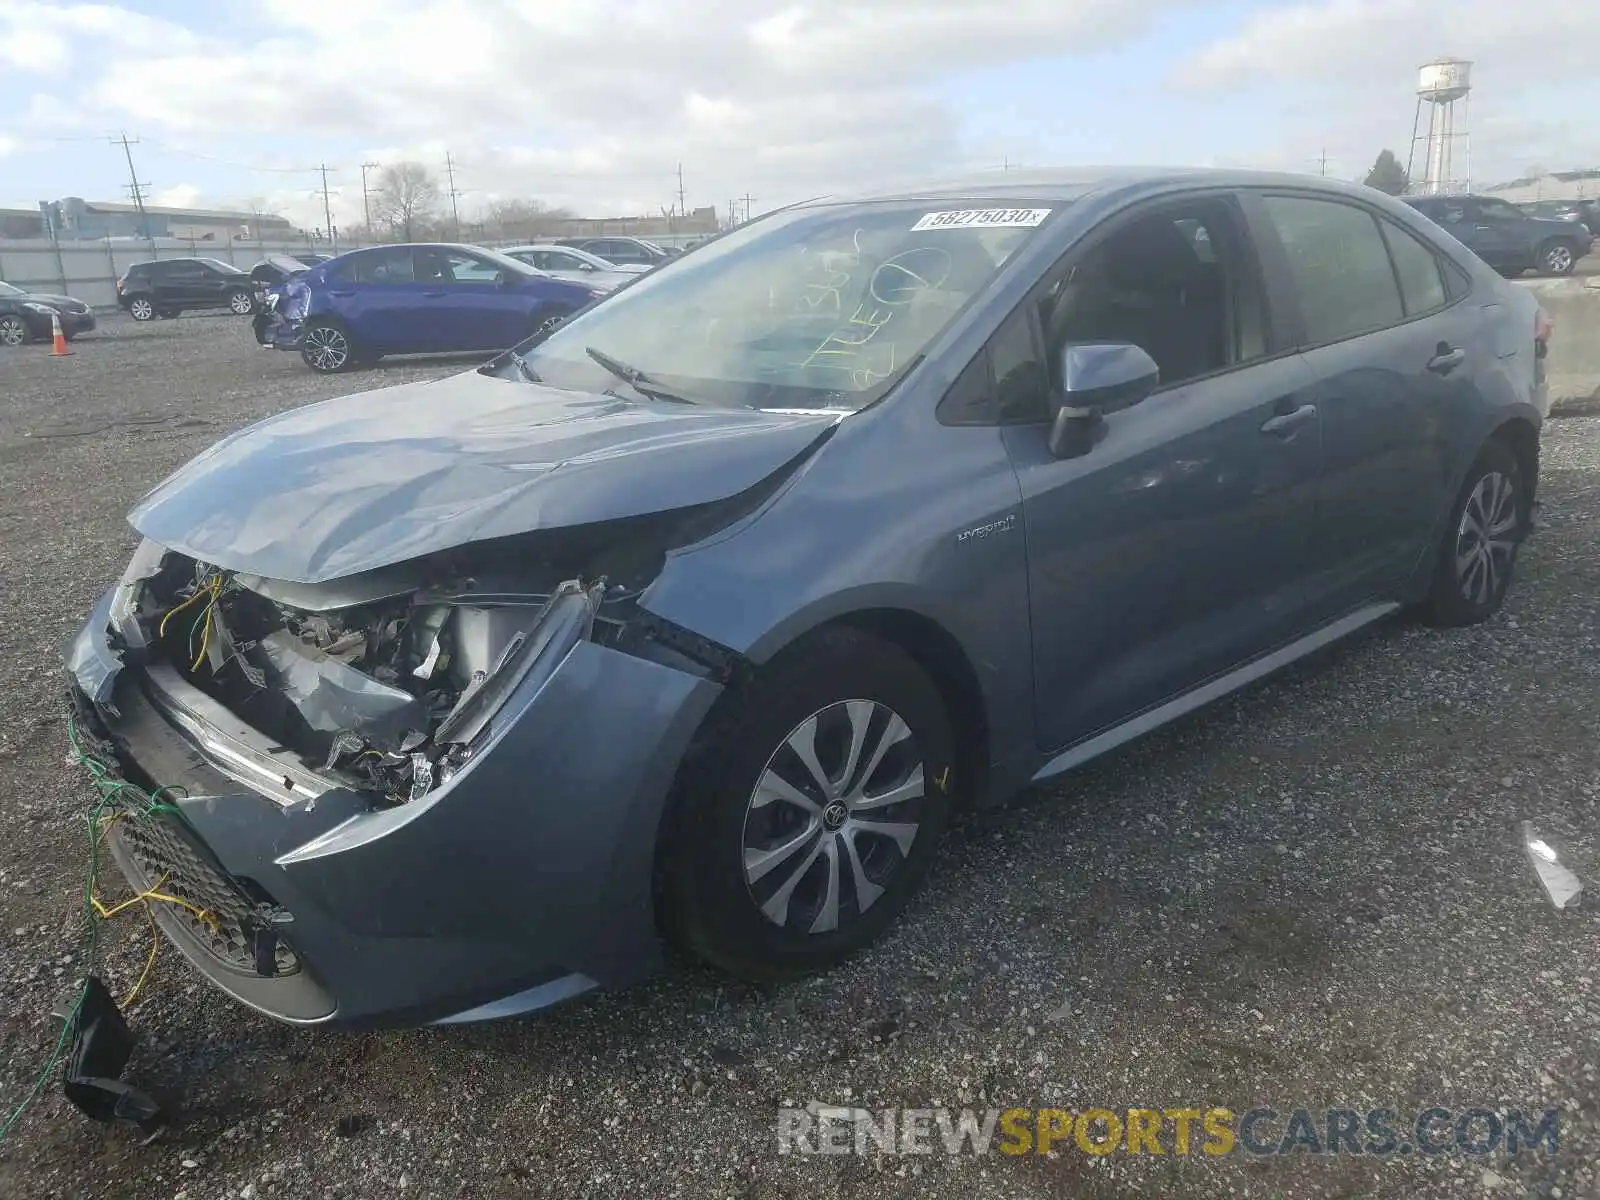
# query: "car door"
{"points": [[1175, 548], [1502, 233], [177, 284], [374, 293], [478, 312], [1393, 358]]}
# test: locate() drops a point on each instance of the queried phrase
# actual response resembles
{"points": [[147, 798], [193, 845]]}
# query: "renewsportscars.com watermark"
{"points": [[820, 1129]]}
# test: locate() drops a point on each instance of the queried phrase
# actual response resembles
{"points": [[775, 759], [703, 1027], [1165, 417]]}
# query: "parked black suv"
{"points": [[171, 285], [1505, 237]]}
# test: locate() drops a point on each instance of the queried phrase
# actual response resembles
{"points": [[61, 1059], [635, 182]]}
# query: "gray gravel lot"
{"points": [[1304, 896]]}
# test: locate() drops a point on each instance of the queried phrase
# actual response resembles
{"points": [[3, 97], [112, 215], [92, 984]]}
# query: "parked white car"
{"points": [[568, 262]]}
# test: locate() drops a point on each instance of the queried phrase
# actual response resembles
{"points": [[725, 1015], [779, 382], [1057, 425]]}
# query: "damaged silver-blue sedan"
{"points": [[692, 620]]}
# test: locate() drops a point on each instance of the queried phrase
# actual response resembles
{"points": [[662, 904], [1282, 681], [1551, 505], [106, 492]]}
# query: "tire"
{"points": [[1557, 257], [1478, 552], [327, 349], [241, 303], [747, 793], [13, 330], [141, 308]]}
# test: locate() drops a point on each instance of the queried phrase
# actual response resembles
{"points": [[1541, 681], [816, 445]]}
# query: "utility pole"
{"points": [[327, 208], [455, 213], [682, 211], [366, 204], [747, 199], [1323, 162], [136, 188]]}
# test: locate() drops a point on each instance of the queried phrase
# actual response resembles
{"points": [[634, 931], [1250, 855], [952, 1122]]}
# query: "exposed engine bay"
{"points": [[384, 682]]}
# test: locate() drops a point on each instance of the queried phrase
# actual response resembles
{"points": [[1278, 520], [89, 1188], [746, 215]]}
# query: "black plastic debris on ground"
{"points": [[100, 1045]]}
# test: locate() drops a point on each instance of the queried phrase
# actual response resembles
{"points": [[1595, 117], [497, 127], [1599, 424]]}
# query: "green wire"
{"points": [[113, 793]]}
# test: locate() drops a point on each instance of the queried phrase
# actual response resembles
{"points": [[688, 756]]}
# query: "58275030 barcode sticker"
{"points": [[982, 218]]}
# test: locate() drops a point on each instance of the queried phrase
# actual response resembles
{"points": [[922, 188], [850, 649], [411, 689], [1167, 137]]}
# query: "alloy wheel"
{"points": [[141, 310], [832, 816], [327, 348], [1558, 260], [1486, 539], [241, 303], [12, 331]]}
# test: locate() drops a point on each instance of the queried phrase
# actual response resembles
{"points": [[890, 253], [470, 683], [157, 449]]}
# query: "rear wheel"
{"points": [[1557, 258], [13, 330], [140, 308], [808, 821], [1479, 550], [326, 348]]}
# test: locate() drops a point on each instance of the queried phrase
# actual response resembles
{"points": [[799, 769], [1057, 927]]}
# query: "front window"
{"points": [[1499, 210], [815, 307]]}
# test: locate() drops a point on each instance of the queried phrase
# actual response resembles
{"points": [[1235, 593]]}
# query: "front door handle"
{"points": [[1285, 424], [342, 292], [435, 295], [1447, 359]]}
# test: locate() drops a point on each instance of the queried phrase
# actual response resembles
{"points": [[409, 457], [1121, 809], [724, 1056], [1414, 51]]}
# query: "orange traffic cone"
{"points": [[58, 340]]}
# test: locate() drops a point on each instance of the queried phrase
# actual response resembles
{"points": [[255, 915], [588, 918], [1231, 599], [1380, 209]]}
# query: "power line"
{"points": [[455, 213], [327, 207], [366, 204], [136, 188], [223, 162]]}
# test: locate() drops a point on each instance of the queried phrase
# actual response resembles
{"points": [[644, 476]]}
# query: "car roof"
{"points": [[1067, 184]]}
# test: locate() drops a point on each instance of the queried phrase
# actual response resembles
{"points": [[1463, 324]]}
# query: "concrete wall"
{"points": [[1573, 367]]}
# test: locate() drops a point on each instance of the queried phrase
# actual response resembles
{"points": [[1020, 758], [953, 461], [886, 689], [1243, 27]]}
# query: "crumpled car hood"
{"points": [[386, 476]]}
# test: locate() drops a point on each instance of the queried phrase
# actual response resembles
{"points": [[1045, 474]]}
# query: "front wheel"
{"points": [[141, 309], [13, 330], [807, 822], [326, 348], [1479, 550], [241, 303], [1557, 258]]}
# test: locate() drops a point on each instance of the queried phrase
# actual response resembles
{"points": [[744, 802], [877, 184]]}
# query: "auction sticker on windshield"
{"points": [[983, 218]]}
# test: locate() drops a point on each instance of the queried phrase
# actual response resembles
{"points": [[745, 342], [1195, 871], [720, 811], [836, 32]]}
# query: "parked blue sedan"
{"points": [[412, 299]]}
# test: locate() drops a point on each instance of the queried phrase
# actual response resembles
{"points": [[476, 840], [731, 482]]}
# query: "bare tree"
{"points": [[405, 197], [525, 218]]}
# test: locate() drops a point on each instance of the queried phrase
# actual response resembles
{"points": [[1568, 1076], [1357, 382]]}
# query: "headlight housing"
{"points": [[42, 309]]}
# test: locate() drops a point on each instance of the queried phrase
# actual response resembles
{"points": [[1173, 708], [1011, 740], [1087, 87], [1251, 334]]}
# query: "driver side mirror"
{"points": [[1096, 379], [586, 266], [506, 279]]}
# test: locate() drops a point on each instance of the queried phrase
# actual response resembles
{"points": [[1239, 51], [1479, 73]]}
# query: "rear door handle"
{"points": [[342, 292], [1284, 425], [433, 295], [1447, 360]]}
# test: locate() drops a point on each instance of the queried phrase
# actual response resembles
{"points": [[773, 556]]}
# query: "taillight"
{"points": [[120, 283], [1543, 329]]}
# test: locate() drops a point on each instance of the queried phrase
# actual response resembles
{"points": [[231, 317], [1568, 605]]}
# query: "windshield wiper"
{"points": [[633, 377], [524, 369]]}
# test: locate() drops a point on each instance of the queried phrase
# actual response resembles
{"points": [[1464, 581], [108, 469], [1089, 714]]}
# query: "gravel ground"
{"points": [[1303, 896]]}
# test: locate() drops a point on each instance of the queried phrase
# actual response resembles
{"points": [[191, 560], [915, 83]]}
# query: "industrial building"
{"points": [[1557, 185], [76, 219]]}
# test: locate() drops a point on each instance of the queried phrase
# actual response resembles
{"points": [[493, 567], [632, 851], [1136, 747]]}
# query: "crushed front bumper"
{"points": [[522, 880]]}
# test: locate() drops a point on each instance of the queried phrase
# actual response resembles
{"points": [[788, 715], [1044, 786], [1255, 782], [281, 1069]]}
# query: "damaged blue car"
{"points": [[693, 619]]}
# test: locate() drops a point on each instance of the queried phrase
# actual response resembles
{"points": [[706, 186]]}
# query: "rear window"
{"points": [[1339, 265]]}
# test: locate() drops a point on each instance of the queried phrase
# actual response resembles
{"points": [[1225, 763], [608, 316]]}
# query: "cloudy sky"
{"points": [[594, 103]]}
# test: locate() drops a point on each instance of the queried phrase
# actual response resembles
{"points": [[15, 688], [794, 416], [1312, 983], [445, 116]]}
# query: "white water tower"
{"points": [[1442, 86]]}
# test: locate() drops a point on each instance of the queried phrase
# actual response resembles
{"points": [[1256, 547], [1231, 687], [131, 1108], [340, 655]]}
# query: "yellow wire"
{"points": [[205, 636], [207, 590], [155, 945]]}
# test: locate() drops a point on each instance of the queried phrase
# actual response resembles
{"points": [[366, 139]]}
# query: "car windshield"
{"points": [[811, 308], [7, 290]]}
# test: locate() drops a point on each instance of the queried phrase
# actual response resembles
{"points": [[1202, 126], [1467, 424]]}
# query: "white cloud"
{"points": [[180, 195], [607, 96]]}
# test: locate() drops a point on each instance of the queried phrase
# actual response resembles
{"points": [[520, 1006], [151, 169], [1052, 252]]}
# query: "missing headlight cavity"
{"points": [[388, 681]]}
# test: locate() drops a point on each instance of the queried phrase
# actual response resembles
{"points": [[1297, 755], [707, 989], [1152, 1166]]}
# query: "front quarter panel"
{"points": [[895, 512]]}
